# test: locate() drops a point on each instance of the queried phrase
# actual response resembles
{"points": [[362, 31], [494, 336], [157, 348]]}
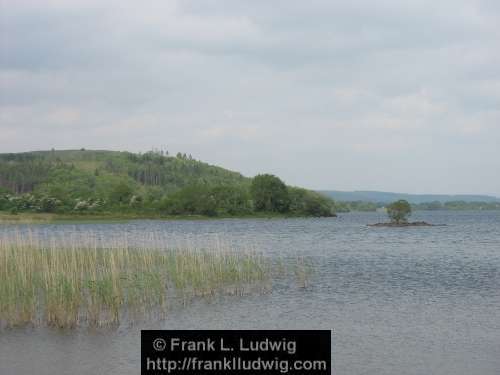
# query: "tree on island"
{"points": [[399, 211]]}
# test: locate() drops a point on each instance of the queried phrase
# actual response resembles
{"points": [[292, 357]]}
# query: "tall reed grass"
{"points": [[49, 282]]}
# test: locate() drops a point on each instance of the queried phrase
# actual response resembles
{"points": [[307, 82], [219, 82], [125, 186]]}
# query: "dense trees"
{"points": [[191, 200], [20, 173], [171, 173], [211, 201], [309, 203], [269, 194], [232, 200], [121, 192], [106, 181]]}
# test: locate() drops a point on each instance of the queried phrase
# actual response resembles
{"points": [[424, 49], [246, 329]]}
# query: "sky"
{"points": [[349, 95]]}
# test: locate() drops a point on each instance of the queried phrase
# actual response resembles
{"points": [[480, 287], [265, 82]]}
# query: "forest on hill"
{"points": [[85, 181]]}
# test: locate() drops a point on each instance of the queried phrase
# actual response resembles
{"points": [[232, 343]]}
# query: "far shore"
{"points": [[41, 218]]}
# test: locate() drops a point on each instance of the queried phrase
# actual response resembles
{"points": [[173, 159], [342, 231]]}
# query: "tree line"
{"points": [[102, 181]]}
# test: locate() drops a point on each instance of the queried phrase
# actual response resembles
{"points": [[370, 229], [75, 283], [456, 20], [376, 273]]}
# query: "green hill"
{"points": [[24, 172], [81, 181]]}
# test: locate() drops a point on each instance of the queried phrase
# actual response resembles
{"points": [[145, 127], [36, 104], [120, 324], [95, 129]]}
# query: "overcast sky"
{"points": [[349, 95]]}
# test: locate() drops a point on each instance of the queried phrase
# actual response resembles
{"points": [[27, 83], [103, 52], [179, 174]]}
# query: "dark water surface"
{"points": [[423, 300]]}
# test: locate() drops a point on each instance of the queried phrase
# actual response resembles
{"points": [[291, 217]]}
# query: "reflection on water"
{"points": [[399, 300]]}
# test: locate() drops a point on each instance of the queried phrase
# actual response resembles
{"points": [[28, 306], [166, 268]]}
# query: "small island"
{"points": [[398, 213]]}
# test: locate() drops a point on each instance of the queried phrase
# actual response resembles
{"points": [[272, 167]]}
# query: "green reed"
{"points": [[77, 285]]}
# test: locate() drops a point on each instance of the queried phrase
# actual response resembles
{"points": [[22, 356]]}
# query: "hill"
{"points": [[24, 172], [83, 181], [387, 197]]}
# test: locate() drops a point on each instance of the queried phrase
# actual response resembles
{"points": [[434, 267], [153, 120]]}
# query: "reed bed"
{"points": [[50, 282]]}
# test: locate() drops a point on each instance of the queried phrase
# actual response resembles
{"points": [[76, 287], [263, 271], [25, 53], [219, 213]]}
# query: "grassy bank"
{"points": [[34, 218], [42, 218], [83, 285]]}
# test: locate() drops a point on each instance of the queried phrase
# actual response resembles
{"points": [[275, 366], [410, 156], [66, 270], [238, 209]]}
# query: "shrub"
{"points": [[48, 204], [231, 200], [309, 203], [89, 204], [135, 201], [191, 200], [399, 211]]}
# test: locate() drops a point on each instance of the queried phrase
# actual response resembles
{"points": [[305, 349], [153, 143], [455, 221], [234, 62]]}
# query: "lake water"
{"points": [[423, 300]]}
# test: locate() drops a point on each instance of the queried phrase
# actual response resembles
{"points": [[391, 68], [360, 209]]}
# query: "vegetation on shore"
{"points": [[363, 206], [381, 197], [457, 206], [108, 217], [154, 184], [81, 285]]}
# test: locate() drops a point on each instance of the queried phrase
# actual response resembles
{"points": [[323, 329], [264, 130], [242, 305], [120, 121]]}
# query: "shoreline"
{"points": [[43, 218]]}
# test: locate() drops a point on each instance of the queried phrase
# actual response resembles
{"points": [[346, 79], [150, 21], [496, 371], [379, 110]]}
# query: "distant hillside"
{"points": [[24, 172], [386, 197], [151, 183]]}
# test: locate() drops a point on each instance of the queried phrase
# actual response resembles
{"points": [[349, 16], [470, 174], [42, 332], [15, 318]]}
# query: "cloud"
{"points": [[318, 92]]}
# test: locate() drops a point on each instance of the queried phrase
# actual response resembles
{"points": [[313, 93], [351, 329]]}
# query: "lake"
{"points": [[416, 300]]}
